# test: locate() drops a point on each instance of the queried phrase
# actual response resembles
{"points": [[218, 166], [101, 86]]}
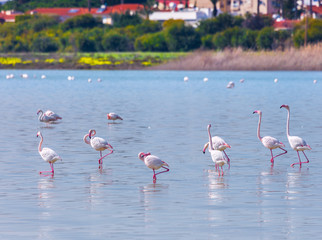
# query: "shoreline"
{"points": [[303, 59]]}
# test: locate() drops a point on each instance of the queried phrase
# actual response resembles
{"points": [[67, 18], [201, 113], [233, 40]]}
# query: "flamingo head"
{"points": [[38, 134], [142, 155], [258, 111], [39, 111], [91, 133], [205, 147], [285, 106], [209, 126], [108, 116]]}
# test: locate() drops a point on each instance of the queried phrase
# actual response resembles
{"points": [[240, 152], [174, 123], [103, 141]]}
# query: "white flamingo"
{"points": [[268, 141], [48, 155], [99, 144], [48, 116], [217, 156], [297, 143], [113, 116], [218, 144], [154, 163]]}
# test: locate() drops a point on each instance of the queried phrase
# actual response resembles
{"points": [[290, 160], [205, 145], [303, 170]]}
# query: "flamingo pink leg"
{"points": [[300, 163], [155, 174], [272, 159], [52, 170], [100, 161]]}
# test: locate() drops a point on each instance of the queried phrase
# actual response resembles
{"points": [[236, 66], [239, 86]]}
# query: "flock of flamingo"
{"points": [[216, 146]]}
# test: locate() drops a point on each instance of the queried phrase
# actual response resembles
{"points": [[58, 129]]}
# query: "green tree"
{"points": [[181, 38], [265, 38], [81, 21], [114, 41], [44, 44], [151, 42]]}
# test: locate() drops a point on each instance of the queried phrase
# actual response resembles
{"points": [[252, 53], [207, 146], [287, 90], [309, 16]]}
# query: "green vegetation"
{"points": [[130, 32]]}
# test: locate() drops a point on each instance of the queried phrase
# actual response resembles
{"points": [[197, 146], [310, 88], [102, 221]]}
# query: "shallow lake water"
{"points": [[168, 117]]}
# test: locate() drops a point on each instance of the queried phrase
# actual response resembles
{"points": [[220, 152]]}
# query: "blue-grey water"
{"points": [[168, 117]]}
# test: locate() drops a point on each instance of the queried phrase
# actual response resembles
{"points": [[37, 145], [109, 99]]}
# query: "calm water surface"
{"points": [[167, 117]]}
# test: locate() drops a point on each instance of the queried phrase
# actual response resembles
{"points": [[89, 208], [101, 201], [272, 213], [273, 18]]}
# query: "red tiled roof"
{"points": [[285, 24], [317, 9], [8, 18]]}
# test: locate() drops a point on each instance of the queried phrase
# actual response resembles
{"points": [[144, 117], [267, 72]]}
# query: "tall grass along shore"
{"points": [[306, 58]]}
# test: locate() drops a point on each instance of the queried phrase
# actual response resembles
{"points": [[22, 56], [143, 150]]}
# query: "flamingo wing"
{"points": [[154, 162], [219, 143], [49, 155], [99, 144], [52, 115], [271, 142], [298, 143]]}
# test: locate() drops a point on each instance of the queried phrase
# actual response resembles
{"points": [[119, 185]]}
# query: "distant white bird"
{"points": [[43, 76], [154, 163], [99, 80], [217, 156], [89, 80], [297, 143], [99, 144], [241, 80], [268, 141], [113, 116], [230, 85], [70, 78], [205, 79], [48, 116], [185, 79], [48, 155], [315, 81], [9, 76], [275, 80], [24, 75]]}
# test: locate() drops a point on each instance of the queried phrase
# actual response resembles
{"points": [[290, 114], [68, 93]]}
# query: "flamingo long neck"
{"points": [[288, 123], [259, 127], [40, 143], [211, 147], [41, 115], [85, 139]]}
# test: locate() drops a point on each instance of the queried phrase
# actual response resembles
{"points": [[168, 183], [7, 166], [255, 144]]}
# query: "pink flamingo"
{"points": [[113, 116], [297, 143], [99, 144], [154, 163], [268, 141], [48, 116], [217, 156], [48, 155], [218, 144]]}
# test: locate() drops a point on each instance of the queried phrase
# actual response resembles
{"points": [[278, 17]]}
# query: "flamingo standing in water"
{"points": [[99, 144], [154, 163], [217, 156], [268, 141], [297, 143], [48, 155], [48, 116], [218, 144]]}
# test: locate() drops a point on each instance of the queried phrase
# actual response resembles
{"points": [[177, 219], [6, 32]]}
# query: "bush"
{"points": [[206, 41], [248, 40], [265, 38], [113, 41], [314, 32], [218, 24], [181, 38], [44, 44], [231, 37], [154, 42], [123, 20], [81, 21]]}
